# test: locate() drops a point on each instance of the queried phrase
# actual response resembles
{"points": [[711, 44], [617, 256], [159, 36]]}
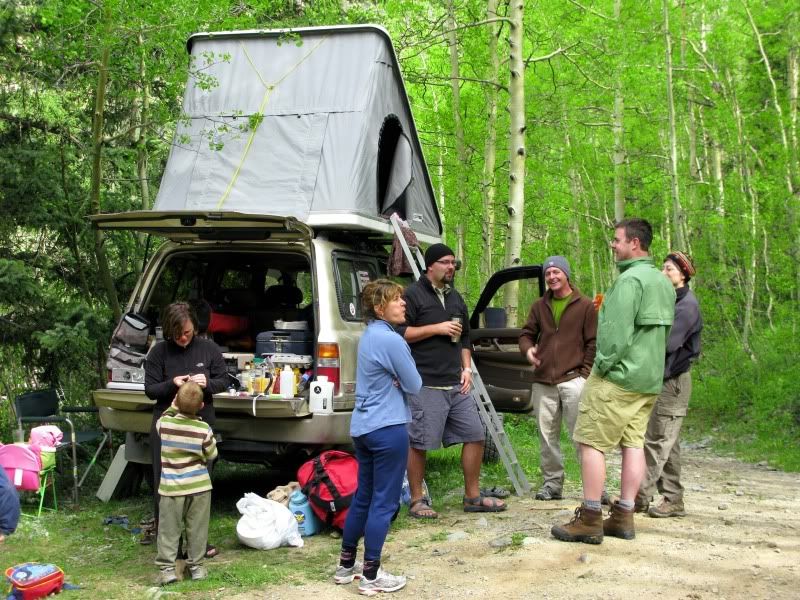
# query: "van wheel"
{"points": [[490, 452]]}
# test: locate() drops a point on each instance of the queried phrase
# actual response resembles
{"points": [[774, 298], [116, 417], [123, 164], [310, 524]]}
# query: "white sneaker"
{"points": [[167, 576], [383, 582], [198, 572], [345, 575]]}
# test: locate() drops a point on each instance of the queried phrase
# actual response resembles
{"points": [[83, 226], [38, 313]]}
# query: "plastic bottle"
{"points": [[247, 378], [260, 381], [287, 382], [307, 522], [305, 379]]}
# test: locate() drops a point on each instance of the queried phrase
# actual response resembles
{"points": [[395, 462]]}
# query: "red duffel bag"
{"points": [[330, 481]]}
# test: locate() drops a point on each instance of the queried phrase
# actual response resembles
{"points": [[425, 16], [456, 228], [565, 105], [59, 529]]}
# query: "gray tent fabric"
{"points": [[290, 125]]}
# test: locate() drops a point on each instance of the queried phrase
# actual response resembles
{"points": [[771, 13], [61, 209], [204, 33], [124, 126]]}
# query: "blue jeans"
{"points": [[382, 455]]}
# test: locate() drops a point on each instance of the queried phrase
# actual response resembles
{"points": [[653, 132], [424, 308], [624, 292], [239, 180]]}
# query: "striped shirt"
{"points": [[187, 444]]}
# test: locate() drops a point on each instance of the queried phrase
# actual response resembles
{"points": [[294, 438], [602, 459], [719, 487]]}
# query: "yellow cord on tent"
{"points": [[267, 93]]}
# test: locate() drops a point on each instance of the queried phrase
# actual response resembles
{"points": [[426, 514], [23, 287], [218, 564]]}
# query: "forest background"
{"points": [[541, 123]]}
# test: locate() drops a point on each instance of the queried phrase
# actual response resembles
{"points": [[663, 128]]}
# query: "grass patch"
{"points": [[107, 561]]}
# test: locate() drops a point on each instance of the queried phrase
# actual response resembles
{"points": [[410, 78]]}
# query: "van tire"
{"points": [[490, 452]]}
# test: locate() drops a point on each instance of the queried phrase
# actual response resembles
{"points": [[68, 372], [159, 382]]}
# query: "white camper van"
{"points": [[274, 207]]}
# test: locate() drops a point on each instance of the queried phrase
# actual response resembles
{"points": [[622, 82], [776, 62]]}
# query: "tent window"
{"points": [[394, 167]]}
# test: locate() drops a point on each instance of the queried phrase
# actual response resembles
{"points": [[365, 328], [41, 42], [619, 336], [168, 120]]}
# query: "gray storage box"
{"points": [[284, 342]]}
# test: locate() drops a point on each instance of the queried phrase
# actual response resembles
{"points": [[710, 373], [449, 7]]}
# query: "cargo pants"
{"points": [[662, 447], [175, 513]]}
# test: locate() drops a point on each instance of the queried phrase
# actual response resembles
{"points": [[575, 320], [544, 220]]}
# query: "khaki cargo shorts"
{"points": [[610, 416]]}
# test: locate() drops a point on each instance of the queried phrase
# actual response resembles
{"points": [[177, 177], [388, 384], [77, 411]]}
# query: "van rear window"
{"points": [[352, 274]]}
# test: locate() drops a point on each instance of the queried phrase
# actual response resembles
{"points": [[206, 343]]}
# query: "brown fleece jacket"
{"points": [[566, 351]]}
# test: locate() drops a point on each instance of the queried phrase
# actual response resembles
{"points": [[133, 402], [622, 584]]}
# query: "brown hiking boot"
{"points": [[641, 505], [619, 522], [586, 526], [666, 508]]}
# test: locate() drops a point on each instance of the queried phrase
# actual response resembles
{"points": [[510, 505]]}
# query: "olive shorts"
{"points": [[611, 416]]}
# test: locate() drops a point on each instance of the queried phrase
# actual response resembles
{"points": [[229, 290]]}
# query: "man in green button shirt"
{"points": [[633, 326]]}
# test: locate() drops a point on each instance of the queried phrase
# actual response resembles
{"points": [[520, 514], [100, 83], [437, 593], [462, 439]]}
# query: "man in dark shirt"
{"points": [[444, 412]]}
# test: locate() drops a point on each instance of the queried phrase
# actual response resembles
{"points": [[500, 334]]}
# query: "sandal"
{"points": [[483, 504], [149, 535], [495, 492], [426, 512]]}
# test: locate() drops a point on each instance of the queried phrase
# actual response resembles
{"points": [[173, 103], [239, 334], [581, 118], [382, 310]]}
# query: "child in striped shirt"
{"points": [[187, 446]]}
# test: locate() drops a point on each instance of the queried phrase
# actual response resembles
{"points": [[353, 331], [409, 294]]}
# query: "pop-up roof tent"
{"points": [[336, 146]]}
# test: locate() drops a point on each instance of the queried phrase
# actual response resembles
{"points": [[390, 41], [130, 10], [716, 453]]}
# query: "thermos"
{"points": [[307, 522]]}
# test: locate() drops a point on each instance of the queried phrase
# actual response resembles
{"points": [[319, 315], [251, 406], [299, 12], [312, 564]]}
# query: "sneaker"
{"points": [[666, 508], [548, 493], [198, 572], [167, 576], [345, 575], [586, 526], [383, 582]]}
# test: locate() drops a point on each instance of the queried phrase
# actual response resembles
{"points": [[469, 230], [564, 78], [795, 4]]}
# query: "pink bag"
{"points": [[46, 435], [22, 464]]}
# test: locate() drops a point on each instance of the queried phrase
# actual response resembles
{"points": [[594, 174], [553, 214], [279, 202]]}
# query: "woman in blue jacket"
{"points": [[386, 372]]}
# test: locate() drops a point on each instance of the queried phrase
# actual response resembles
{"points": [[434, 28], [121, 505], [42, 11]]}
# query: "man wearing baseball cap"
{"points": [[559, 341], [662, 448], [444, 412]]}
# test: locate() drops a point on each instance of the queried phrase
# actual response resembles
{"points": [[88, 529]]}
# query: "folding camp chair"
{"points": [[42, 406]]}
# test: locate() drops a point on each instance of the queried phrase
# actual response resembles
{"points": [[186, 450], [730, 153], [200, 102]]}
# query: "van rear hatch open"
{"points": [[199, 225]]}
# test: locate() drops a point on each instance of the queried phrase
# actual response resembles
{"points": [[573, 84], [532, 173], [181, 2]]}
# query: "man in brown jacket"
{"points": [[559, 341]]}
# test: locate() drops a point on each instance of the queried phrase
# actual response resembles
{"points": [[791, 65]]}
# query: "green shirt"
{"points": [[558, 306], [633, 326]]}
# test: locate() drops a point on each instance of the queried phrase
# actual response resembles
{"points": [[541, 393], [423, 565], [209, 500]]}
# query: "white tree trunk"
{"points": [[461, 156], [490, 149], [677, 210], [516, 202], [618, 129]]}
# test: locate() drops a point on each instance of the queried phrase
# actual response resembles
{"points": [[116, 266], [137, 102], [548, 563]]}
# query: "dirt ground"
{"points": [[740, 539]]}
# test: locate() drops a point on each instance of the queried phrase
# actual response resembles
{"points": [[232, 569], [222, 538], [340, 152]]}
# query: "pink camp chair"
{"points": [[23, 465]]}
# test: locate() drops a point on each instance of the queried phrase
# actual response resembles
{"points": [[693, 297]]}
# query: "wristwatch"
{"points": [[467, 369]]}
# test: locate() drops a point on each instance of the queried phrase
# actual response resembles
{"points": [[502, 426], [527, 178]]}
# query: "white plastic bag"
{"points": [[266, 524], [405, 491]]}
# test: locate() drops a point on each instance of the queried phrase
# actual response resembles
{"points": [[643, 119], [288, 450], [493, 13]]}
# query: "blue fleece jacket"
{"points": [[383, 358]]}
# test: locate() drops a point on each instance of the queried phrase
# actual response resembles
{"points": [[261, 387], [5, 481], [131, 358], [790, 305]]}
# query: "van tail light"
{"points": [[110, 376], [328, 363]]}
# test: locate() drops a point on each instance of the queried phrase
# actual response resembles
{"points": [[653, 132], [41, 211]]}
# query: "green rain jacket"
{"points": [[633, 327]]}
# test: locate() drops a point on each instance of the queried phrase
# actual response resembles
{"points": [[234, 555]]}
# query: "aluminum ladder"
{"points": [[480, 395]]}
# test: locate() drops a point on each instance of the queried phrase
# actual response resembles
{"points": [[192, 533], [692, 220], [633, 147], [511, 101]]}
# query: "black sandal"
{"points": [[477, 504], [426, 512], [495, 492]]}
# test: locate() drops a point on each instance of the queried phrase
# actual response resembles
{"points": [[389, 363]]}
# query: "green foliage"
{"points": [[750, 407]]}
